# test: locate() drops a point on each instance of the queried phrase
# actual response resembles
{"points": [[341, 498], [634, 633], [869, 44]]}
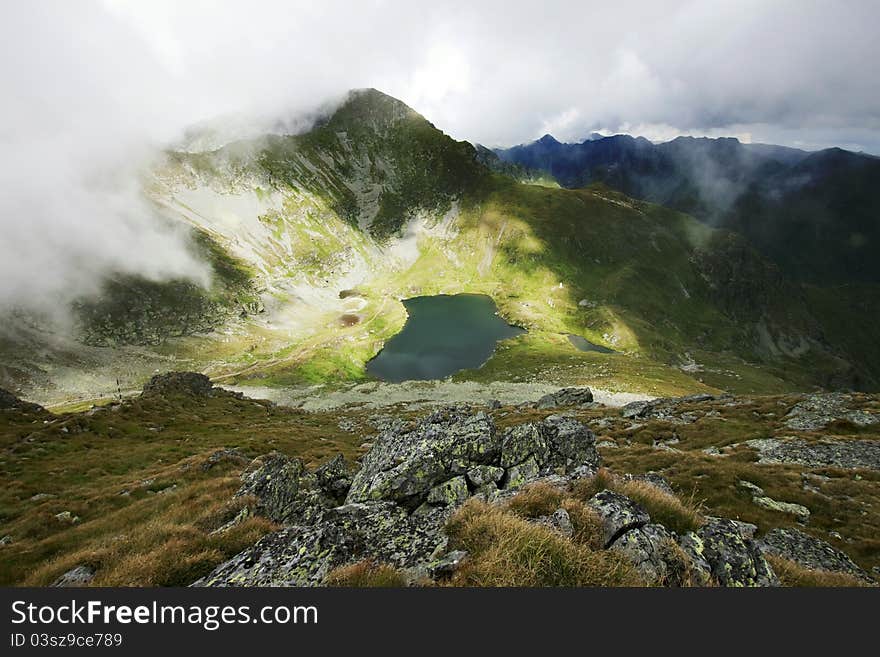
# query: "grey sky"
{"points": [[90, 86]]}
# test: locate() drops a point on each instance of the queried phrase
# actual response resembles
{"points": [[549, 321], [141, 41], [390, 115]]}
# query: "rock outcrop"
{"points": [[819, 410], [188, 383], [822, 453], [394, 509], [9, 402], [810, 552]]}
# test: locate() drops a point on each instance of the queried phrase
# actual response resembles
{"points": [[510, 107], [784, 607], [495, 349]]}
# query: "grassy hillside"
{"points": [[315, 238]]}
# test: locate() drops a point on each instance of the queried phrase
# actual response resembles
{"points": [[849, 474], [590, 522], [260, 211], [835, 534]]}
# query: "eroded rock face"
{"points": [[407, 463], [724, 554], [809, 551], [334, 519], [835, 453]]}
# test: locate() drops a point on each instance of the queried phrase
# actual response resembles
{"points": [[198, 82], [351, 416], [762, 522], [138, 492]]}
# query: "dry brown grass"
{"points": [[542, 499], [795, 575], [668, 510], [507, 550], [537, 499], [365, 574], [163, 540]]}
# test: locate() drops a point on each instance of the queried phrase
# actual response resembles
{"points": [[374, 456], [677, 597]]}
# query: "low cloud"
{"points": [[92, 89]]}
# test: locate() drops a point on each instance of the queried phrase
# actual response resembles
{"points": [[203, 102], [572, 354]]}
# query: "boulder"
{"points": [[653, 552], [405, 463], [654, 478], [79, 576], [556, 443], [519, 475], [522, 442], [566, 397], [445, 567], [274, 480], [720, 552], [810, 552], [619, 514]]}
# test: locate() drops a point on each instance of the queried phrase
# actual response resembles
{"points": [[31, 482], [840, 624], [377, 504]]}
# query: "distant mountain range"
{"points": [[816, 214]]}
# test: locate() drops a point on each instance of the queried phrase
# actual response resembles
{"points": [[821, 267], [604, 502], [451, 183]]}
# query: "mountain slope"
{"points": [[816, 215], [323, 234]]}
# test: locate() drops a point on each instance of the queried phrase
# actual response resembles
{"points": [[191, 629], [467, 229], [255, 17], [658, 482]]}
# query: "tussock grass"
{"points": [[542, 499], [365, 573], [668, 510], [507, 550], [795, 575]]}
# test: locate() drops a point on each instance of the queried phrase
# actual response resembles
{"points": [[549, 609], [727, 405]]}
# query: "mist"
{"points": [[94, 90]]}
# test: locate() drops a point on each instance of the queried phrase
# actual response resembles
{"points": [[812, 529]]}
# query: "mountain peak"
{"points": [[371, 108], [548, 140]]}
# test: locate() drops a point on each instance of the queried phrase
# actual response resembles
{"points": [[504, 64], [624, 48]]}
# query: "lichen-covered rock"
{"points": [[303, 555], [731, 558], [79, 576], [566, 397], [801, 512], [665, 408], [556, 443], [809, 551], [653, 551], [619, 514], [824, 453], [519, 475], [484, 474], [561, 521], [445, 566], [274, 480], [404, 464], [333, 479], [571, 443], [224, 456], [522, 442], [449, 493], [189, 383]]}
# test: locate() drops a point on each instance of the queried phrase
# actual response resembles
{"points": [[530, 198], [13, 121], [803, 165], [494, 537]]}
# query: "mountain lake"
{"points": [[442, 335]]}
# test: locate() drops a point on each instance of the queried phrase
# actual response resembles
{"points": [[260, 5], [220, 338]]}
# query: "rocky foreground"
{"points": [[190, 483], [396, 507]]}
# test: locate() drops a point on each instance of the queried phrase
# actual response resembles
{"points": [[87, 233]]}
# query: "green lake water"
{"points": [[442, 335]]}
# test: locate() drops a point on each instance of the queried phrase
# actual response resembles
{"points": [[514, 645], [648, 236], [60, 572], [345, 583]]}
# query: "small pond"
{"points": [[585, 345], [442, 335]]}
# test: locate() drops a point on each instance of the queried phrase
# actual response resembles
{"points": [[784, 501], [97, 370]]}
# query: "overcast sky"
{"points": [[89, 85]]}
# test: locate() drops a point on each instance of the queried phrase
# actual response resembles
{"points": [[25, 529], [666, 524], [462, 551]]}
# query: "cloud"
{"points": [[91, 87]]}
